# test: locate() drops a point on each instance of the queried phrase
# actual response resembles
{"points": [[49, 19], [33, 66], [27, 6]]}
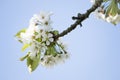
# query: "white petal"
{"points": [[47, 43], [50, 35], [51, 39], [43, 39]]}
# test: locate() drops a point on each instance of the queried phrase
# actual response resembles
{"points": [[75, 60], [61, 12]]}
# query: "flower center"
{"points": [[46, 23], [43, 17]]}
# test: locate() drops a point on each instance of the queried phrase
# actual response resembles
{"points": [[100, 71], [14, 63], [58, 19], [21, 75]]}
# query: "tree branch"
{"points": [[79, 19]]}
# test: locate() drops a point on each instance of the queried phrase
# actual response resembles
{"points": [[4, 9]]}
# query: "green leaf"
{"points": [[23, 58], [18, 33], [51, 50], [32, 63], [118, 11], [112, 8], [105, 0], [108, 10], [25, 46]]}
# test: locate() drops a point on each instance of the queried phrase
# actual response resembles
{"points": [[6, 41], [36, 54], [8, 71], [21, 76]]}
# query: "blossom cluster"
{"points": [[39, 38], [109, 11]]}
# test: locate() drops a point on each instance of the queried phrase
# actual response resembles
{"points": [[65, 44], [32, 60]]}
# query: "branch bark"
{"points": [[79, 19]]}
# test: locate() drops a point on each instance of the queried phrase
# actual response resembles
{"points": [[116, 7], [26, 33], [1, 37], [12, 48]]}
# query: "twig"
{"points": [[79, 19]]}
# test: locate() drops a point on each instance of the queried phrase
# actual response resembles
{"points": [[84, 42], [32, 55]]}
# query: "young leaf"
{"points": [[112, 9], [56, 32], [105, 0], [25, 46], [32, 63], [23, 58], [18, 34]]}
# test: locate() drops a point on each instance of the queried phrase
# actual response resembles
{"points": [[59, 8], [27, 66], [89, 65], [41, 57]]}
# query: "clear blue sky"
{"points": [[94, 48]]}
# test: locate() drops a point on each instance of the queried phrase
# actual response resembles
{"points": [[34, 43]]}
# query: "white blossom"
{"points": [[43, 49], [39, 36], [60, 58], [100, 13], [48, 38], [33, 51], [108, 11], [113, 19], [42, 20], [27, 37], [48, 61]]}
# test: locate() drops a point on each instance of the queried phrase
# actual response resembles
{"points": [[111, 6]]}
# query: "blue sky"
{"points": [[94, 48]]}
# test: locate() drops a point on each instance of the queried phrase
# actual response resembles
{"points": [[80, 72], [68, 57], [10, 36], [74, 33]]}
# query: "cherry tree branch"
{"points": [[79, 19]]}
